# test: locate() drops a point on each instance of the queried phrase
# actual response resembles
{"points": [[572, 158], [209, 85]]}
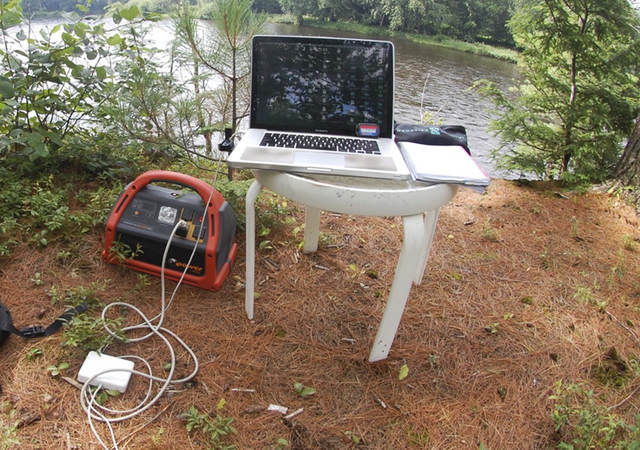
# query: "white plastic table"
{"points": [[418, 204]]}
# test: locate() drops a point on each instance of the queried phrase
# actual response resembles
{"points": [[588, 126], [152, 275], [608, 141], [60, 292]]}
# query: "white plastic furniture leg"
{"points": [[250, 262], [430, 219], [411, 255], [311, 229]]}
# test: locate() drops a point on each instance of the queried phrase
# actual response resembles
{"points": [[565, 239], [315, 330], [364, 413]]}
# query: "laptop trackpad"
{"points": [[337, 161], [319, 159]]}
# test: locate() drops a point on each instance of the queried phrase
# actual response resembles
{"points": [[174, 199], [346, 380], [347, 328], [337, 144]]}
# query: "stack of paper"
{"points": [[442, 164]]}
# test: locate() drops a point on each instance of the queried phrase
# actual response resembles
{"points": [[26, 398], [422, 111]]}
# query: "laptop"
{"points": [[321, 105]]}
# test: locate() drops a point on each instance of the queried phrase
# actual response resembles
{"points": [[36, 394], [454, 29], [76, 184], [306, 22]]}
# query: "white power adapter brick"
{"points": [[96, 362]]}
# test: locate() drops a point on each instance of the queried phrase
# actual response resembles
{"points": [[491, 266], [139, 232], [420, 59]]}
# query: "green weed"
{"points": [[8, 428], [36, 279], [629, 243], [617, 271], [489, 233], [418, 437], [97, 206], [280, 444], [88, 295], [122, 251], [63, 256], [216, 429], [55, 370], [354, 272], [103, 396], [47, 208], [612, 370], [156, 437], [302, 390], [142, 283], [275, 212], [584, 294], [33, 354], [545, 260], [492, 328], [234, 192], [354, 438]]}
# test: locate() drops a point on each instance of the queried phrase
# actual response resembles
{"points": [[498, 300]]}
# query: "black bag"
{"points": [[5, 323], [7, 327], [432, 135]]}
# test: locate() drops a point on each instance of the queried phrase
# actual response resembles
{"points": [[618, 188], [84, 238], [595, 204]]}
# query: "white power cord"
{"points": [[97, 412]]}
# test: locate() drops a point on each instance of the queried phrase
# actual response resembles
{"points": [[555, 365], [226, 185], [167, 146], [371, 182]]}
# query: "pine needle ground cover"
{"points": [[525, 324]]}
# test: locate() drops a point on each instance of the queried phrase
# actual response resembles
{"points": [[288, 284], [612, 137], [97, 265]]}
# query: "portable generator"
{"points": [[143, 218]]}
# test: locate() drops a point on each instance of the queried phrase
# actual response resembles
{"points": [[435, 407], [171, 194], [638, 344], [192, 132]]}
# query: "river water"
{"points": [[436, 79]]}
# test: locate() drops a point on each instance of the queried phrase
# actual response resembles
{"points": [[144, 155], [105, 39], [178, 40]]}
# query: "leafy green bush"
{"points": [[584, 423], [234, 192], [48, 208], [97, 206], [12, 194], [87, 332]]}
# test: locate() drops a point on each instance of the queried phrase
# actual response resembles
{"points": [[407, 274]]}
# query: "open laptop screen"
{"points": [[321, 85]]}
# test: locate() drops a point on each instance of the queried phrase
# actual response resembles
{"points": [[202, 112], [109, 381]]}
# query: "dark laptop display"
{"points": [[327, 86], [321, 105]]}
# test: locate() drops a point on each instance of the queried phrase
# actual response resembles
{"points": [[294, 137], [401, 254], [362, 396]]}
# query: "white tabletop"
{"points": [[358, 195]]}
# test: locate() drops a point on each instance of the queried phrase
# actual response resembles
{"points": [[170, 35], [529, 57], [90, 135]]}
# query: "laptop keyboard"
{"points": [[330, 143]]}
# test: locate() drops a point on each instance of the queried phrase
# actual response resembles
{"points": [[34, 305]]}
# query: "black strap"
{"points": [[34, 331]]}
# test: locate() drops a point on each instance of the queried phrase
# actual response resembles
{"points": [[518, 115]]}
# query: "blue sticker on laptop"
{"points": [[367, 130]]}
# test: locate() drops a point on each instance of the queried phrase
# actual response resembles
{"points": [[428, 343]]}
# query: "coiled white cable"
{"points": [[97, 412]]}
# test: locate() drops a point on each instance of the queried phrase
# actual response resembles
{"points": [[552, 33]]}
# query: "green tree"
{"points": [[225, 52], [174, 103], [298, 8], [485, 21], [627, 173], [578, 97]]}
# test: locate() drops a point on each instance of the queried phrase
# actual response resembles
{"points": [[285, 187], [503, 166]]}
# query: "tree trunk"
{"points": [[202, 123], [628, 169]]}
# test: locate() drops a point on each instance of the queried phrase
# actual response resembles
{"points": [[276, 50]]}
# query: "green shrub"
{"points": [[234, 192], [584, 423], [88, 333]]}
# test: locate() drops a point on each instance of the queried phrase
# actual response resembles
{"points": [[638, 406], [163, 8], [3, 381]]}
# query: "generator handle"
{"points": [[201, 187]]}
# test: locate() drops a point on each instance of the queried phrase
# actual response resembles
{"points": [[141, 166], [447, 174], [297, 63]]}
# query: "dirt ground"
{"points": [[525, 286]]}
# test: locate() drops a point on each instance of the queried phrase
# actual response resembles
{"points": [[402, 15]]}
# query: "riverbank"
{"points": [[476, 48]]}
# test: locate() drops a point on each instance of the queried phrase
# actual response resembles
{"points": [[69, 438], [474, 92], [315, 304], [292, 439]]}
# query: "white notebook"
{"points": [[442, 164]]}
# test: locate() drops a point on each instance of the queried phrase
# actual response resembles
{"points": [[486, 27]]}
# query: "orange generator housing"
{"points": [[144, 216]]}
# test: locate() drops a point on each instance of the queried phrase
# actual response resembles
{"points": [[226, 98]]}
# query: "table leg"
{"points": [[430, 219], [250, 259], [410, 255], [311, 229]]}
